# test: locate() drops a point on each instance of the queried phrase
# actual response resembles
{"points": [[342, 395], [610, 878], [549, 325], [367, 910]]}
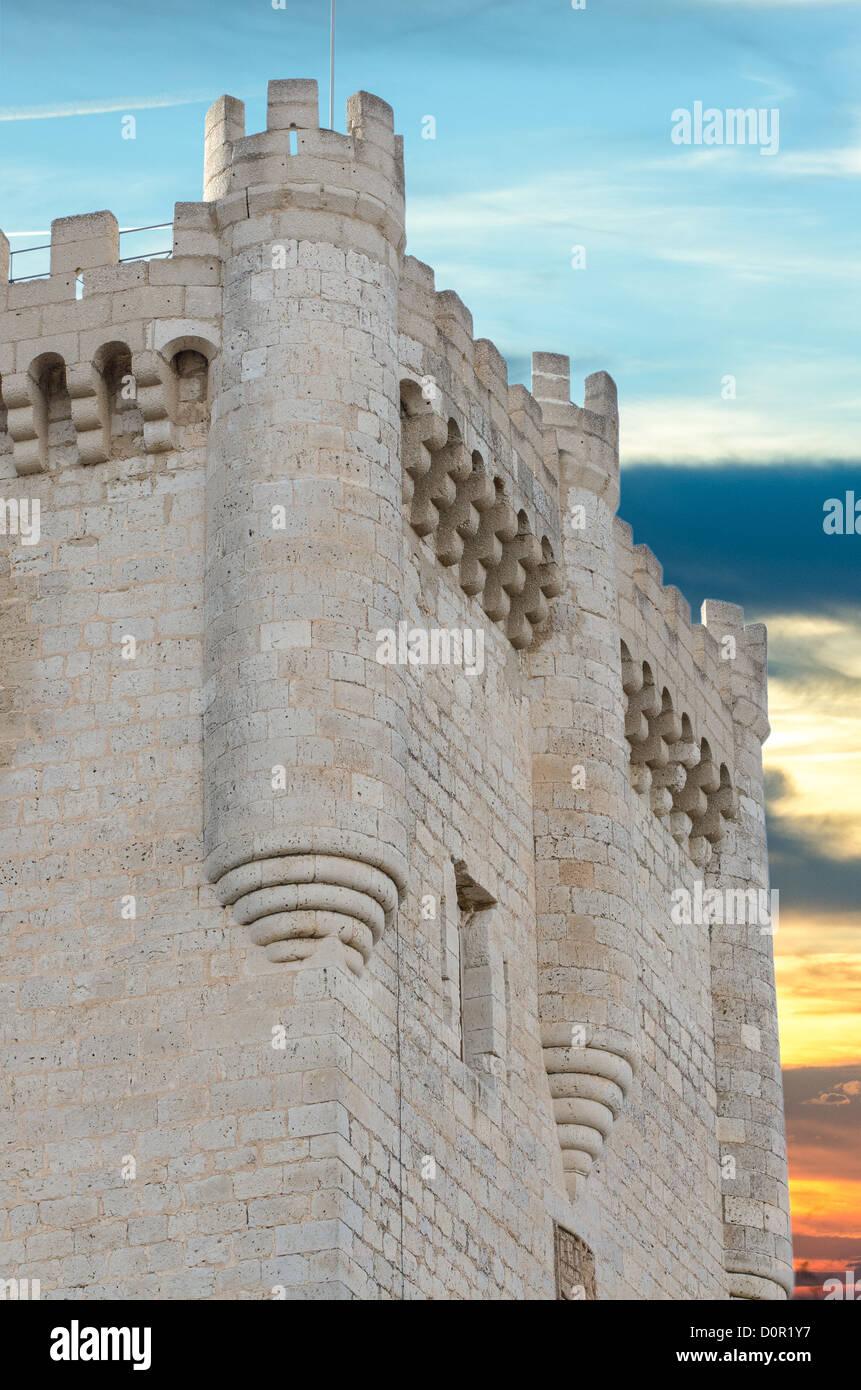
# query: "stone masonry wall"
{"points": [[326, 977]]}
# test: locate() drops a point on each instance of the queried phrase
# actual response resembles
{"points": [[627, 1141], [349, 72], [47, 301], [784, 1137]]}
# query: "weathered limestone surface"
{"points": [[325, 977]]}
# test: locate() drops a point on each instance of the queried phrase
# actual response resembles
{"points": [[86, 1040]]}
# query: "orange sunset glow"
{"points": [[813, 759]]}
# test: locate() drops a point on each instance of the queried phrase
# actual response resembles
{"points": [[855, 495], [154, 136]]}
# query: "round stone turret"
{"points": [[305, 733]]}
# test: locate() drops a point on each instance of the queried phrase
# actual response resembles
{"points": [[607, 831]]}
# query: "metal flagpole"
{"points": [[332, 71]]}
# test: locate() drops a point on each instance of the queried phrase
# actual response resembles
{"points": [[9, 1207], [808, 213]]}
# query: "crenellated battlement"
{"points": [[71, 364], [296, 164], [293, 139], [437, 347], [482, 457]]}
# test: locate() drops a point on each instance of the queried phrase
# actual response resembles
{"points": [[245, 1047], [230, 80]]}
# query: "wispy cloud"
{"points": [[778, 90], [843, 162], [95, 108], [679, 430], [656, 221], [835, 163]]}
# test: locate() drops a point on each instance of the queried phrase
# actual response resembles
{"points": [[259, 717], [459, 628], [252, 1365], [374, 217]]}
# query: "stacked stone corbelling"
{"points": [[399, 995]]}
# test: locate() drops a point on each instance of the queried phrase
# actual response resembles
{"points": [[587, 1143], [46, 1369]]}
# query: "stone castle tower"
{"points": [[354, 760]]}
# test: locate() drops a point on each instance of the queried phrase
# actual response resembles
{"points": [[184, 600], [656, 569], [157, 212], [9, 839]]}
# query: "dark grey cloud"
{"points": [[806, 878], [748, 534], [823, 1129], [803, 1087]]}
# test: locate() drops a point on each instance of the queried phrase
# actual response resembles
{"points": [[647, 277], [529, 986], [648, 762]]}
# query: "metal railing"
{"points": [[123, 260]]}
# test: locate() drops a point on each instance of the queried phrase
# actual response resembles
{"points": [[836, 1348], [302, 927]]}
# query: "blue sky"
{"points": [[553, 130]]}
